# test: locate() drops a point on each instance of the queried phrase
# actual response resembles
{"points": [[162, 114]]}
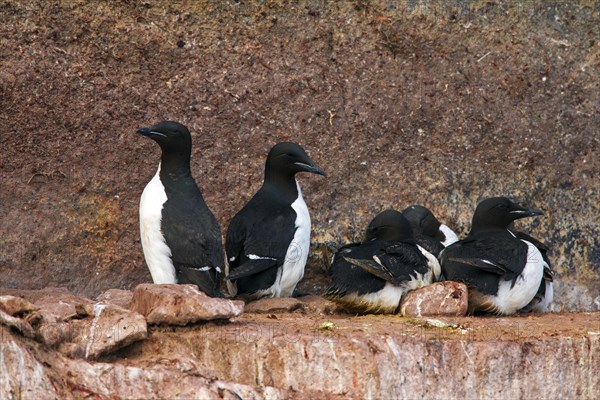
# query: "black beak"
{"points": [[150, 133], [525, 212], [312, 168]]}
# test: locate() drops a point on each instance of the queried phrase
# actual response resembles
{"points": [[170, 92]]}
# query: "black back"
{"points": [[401, 259]]}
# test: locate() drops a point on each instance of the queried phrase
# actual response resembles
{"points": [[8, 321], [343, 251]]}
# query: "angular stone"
{"points": [[118, 297], [273, 305], [14, 305], [174, 304], [111, 328], [440, 298]]}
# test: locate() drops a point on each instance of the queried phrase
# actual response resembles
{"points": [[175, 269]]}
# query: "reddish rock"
{"points": [[181, 304], [440, 298], [318, 305], [111, 328], [13, 305], [54, 304], [273, 305], [118, 297], [17, 323]]}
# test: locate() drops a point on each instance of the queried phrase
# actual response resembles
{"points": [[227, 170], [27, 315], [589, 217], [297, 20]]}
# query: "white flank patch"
{"points": [[297, 253], [386, 299], [508, 300], [156, 251], [449, 234], [255, 257], [433, 263]]}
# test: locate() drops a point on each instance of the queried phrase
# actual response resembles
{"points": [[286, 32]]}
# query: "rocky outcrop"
{"points": [[73, 325], [173, 304], [309, 352]]}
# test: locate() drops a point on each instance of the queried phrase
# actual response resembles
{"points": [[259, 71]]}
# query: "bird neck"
{"points": [[477, 227], [285, 184], [174, 166]]}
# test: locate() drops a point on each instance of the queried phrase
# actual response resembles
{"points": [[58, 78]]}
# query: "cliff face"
{"points": [[433, 103]]}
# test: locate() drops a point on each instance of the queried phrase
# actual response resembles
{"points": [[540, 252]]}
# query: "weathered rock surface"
{"points": [[173, 304], [30, 371], [306, 353], [273, 305], [314, 304], [111, 328], [13, 305], [440, 298], [72, 324], [391, 357], [118, 297], [20, 325]]}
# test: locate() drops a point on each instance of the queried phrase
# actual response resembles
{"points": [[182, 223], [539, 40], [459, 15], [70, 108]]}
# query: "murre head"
{"points": [[171, 136], [499, 212], [389, 225], [422, 220], [286, 159]]}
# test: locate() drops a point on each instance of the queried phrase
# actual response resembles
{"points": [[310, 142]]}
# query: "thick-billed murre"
{"points": [[180, 236], [268, 239], [503, 273], [372, 276]]}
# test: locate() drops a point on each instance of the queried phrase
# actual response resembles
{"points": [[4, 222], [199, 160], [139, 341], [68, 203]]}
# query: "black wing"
{"points": [[378, 262], [483, 260], [257, 241]]}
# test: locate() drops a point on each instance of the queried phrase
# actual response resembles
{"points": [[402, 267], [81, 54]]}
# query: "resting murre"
{"points": [[372, 276], [180, 236], [268, 239], [503, 272], [429, 233]]}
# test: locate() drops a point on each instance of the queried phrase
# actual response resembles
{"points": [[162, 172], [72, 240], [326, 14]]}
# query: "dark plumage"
{"points": [[180, 236], [503, 272], [429, 233], [372, 276], [268, 239]]}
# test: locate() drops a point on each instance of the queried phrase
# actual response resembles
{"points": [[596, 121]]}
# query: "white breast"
{"points": [[156, 251], [297, 253], [510, 299]]}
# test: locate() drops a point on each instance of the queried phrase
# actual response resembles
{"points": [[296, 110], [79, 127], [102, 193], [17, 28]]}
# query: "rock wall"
{"points": [[432, 102]]}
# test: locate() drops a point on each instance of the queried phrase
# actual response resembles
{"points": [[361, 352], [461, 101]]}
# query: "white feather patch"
{"points": [[450, 236], [297, 253], [156, 251]]}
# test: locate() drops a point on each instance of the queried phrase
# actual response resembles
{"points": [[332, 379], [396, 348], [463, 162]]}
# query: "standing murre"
{"points": [[429, 233], [372, 276], [269, 238], [180, 236], [503, 272]]}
